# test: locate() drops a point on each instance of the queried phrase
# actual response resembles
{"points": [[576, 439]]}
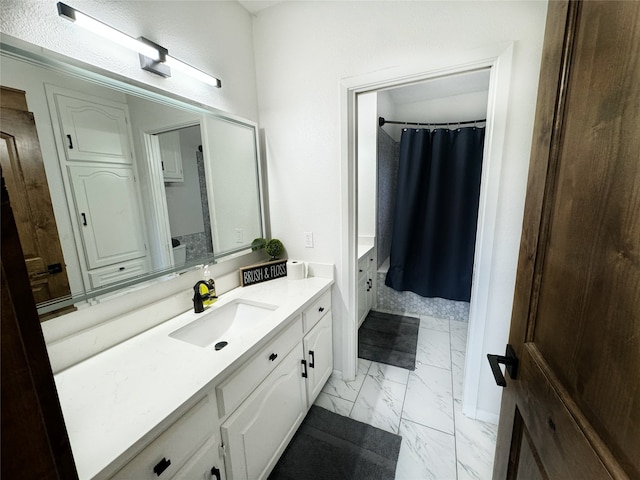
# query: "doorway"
{"points": [[445, 101], [499, 65]]}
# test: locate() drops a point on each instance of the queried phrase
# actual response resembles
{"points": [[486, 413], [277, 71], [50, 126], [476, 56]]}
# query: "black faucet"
{"points": [[198, 306]]}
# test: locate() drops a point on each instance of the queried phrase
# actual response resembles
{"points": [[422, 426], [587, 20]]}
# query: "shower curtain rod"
{"points": [[382, 121]]}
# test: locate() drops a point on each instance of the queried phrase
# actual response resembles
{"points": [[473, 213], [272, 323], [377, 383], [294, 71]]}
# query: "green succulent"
{"points": [[258, 243], [274, 248]]}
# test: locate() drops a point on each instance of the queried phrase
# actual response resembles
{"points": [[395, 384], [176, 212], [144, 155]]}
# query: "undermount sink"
{"points": [[223, 323]]}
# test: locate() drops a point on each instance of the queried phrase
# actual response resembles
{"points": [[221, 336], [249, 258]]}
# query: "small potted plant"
{"points": [[274, 248], [258, 243]]}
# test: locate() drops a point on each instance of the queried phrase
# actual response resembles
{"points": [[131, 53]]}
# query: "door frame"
{"points": [[158, 223], [498, 59]]}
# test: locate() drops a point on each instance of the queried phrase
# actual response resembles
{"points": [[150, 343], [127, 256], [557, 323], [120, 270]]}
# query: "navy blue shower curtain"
{"points": [[436, 212]]}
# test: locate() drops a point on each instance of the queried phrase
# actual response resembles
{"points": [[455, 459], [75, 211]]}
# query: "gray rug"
{"points": [[330, 446], [389, 339]]}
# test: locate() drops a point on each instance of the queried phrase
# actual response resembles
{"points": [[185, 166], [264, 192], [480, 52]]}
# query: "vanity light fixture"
{"points": [[153, 57]]}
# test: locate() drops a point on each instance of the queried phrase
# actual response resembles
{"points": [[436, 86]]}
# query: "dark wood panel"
{"points": [[34, 439], [529, 465], [576, 315], [551, 92], [595, 239]]}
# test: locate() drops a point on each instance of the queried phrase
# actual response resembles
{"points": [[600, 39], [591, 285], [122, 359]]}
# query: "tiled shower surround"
{"points": [[388, 161], [197, 245]]}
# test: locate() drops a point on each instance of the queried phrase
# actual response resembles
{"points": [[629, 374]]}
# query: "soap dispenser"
{"points": [[211, 285]]}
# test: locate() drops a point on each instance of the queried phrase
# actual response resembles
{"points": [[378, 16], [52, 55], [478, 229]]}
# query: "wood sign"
{"points": [[263, 272]]}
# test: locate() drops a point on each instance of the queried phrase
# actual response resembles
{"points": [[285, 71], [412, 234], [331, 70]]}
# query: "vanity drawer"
{"points": [[315, 312], [241, 383], [175, 445], [116, 273]]}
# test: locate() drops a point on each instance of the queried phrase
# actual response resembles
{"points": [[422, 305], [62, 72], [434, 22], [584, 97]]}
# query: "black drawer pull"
{"points": [[304, 371], [70, 142], [273, 356], [215, 471], [161, 466], [312, 361], [321, 309], [84, 219]]}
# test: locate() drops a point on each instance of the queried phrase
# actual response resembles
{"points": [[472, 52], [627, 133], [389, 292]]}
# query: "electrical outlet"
{"points": [[308, 239]]}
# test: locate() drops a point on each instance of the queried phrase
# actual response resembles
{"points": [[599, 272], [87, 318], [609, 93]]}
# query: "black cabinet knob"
{"points": [[273, 356]]}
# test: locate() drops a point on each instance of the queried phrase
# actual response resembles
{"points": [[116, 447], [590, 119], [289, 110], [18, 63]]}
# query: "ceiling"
{"points": [[254, 6], [441, 87]]}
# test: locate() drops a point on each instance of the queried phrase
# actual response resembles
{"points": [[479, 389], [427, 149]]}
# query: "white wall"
{"points": [[212, 36], [367, 163], [304, 49]]}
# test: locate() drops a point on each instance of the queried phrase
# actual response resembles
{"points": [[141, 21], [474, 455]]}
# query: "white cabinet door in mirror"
{"points": [[171, 156], [108, 215], [94, 131]]}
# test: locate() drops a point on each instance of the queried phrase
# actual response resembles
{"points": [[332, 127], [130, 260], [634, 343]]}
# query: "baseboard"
{"points": [[488, 417]]}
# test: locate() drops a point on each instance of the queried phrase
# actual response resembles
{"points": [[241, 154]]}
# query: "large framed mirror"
{"points": [[140, 185]]}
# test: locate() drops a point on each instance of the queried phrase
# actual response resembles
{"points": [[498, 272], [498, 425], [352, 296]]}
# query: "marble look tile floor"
{"points": [[423, 406]]}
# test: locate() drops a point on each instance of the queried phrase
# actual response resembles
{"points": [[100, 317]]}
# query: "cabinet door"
{"points": [[94, 131], [107, 209], [206, 464], [260, 429], [171, 155], [318, 353]]}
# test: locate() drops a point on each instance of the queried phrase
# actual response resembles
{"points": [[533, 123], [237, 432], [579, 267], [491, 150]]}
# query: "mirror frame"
{"points": [[24, 51]]}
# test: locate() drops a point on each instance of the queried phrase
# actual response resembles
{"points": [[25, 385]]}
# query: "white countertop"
{"points": [[113, 400], [363, 249]]}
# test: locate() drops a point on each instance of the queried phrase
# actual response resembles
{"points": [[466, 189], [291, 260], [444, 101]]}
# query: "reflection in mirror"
{"points": [[142, 186], [185, 189]]}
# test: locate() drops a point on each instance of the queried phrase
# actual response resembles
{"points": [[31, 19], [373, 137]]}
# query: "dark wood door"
{"points": [[573, 410], [23, 170], [34, 439]]}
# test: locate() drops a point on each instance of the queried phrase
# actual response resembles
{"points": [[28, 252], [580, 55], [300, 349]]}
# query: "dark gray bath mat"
{"points": [[390, 339], [330, 446]]}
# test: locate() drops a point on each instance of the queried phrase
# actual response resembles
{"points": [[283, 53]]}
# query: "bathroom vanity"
{"points": [[366, 280], [161, 406]]}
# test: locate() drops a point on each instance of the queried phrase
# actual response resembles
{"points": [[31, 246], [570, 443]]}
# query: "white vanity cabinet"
{"points": [[188, 412], [366, 284], [318, 346], [260, 429], [185, 447], [257, 433]]}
